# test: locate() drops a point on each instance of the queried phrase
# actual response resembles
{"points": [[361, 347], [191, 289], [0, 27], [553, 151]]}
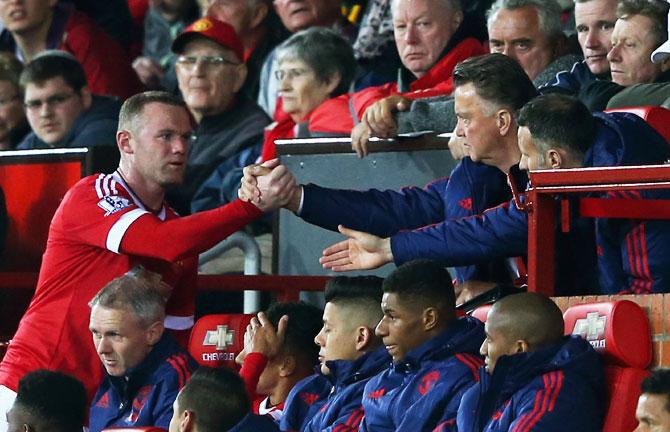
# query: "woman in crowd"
{"points": [[314, 65]]}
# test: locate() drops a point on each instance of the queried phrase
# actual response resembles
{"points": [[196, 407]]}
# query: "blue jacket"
{"points": [[144, 395], [571, 82], [469, 190], [95, 126], [622, 139], [255, 423], [413, 394], [303, 401], [343, 409], [556, 388]]}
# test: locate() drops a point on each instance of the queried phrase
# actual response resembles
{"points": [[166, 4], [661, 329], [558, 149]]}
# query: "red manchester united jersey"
{"points": [[100, 231]]}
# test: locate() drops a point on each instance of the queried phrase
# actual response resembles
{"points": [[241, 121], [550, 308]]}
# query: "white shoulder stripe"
{"points": [[118, 230], [179, 322], [98, 190], [105, 186]]}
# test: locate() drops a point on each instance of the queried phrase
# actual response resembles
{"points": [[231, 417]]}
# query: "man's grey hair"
{"points": [[549, 14], [453, 5], [137, 292]]}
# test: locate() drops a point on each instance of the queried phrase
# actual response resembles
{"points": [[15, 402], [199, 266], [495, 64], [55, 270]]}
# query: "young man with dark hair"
{"points": [[145, 366], [215, 400], [48, 401], [632, 254], [280, 352], [535, 378], [435, 355], [60, 107], [653, 406], [350, 354]]}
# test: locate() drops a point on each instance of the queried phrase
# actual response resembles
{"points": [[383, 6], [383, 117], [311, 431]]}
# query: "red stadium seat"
{"points": [[481, 312], [135, 429], [217, 339], [619, 331], [658, 117]]}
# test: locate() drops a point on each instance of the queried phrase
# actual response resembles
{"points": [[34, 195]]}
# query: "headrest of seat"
{"points": [[481, 312], [657, 117], [618, 330], [217, 339]]}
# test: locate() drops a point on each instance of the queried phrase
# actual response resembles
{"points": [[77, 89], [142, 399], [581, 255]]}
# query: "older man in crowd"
{"points": [[211, 71], [60, 108], [431, 39], [641, 28], [528, 31], [145, 366]]}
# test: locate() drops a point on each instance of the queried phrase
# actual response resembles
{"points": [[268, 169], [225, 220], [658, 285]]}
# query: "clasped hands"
{"points": [[270, 186]]}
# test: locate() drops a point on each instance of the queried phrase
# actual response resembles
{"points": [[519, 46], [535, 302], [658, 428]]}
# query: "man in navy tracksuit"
{"points": [[350, 354], [535, 378], [435, 357], [145, 367], [631, 255], [477, 183]]}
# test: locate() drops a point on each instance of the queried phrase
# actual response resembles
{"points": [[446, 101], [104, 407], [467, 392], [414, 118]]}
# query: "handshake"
{"points": [[270, 186]]}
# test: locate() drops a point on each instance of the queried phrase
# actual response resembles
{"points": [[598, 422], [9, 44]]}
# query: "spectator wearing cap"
{"points": [[210, 73], [33, 27], [145, 366], [60, 108]]}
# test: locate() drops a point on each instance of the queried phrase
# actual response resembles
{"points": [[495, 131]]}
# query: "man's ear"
{"points": [[504, 122], [554, 159], [665, 64], [154, 333], [364, 337], [241, 75], [333, 82], [260, 12], [186, 421], [521, 346], [123, 142], [86, 97], [288, 366], [456, 20], [430, 318]]}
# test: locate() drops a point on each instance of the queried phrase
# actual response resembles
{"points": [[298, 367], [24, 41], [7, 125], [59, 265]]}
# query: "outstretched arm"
{"points": [[361, 251]]}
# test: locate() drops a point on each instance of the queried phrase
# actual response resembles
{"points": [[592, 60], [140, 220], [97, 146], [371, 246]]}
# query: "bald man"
{"points": [[534, 377]]}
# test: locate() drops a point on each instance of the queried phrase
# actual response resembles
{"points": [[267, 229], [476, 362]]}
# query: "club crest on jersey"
{"points": [[112, 204]]}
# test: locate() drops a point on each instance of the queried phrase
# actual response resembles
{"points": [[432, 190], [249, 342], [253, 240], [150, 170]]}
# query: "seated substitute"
{"points": [[145, 366], [215, 400], [47, 401], [60, 107], [350, 354], [535, 378], [279, 352], [653, 406], [428, 345]]}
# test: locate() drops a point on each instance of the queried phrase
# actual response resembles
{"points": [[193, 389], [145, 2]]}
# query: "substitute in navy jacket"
{"points": [[94, 127], [407, 397], [469, 190], [145, 394], [557, 388], [333, 402], [622, 139], [255, 423]]}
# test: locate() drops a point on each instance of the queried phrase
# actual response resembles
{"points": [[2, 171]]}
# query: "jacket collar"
{"points": [[345, 372]]}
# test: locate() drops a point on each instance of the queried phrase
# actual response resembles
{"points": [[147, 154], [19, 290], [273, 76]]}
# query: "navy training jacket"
{"points": [[556, 388]]}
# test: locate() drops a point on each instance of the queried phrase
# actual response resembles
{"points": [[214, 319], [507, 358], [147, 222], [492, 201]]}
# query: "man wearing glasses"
{"points": [[60, 108], [210, 72]]}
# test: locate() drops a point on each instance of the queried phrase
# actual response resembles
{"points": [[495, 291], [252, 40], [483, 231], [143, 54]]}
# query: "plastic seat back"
{"points": [[217, 339], [620, 332], [657, 117]]}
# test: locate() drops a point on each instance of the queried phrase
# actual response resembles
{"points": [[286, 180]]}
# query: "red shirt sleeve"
{"points": [[252, 368]]}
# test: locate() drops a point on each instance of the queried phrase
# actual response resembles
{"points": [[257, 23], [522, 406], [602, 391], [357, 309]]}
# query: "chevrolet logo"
{"points": [[592, 327], [220, 338]]}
